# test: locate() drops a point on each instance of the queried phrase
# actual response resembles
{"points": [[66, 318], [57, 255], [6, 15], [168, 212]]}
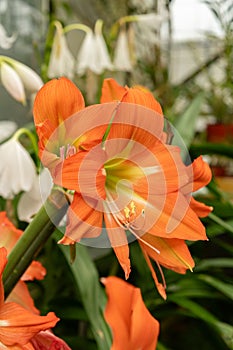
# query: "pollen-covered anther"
{"points": [[130, 211]]}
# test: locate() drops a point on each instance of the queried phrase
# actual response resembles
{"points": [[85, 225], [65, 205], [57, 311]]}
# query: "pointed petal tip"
{"points": [[66, 241]]}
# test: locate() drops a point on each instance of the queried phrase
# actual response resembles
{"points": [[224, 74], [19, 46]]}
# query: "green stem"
{"points": [[34, 238]]}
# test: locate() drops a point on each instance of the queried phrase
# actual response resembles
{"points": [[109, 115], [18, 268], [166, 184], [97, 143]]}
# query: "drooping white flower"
{"points": [[31, 80], [12, 82], [6, 42], [93, 53], [61, 61], [16, 77], [17, 169], [122, 59], [30, 202], [7, 127]]}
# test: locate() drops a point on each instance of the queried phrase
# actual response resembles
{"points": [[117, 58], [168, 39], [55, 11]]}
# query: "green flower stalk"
{"points": [[34, 238]]}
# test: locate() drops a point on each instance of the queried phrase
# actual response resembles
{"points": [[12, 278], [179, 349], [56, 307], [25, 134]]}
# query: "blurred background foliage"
{"points": [[198, 311]]}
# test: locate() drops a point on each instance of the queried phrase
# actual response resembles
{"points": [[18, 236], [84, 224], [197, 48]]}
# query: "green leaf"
{"points": [[224, 288], [225, 330], [92, 294], [186, 123], [227, 226], [214, 263]]}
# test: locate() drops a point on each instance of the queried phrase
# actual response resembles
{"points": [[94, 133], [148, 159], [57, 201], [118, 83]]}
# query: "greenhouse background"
{"points": [[178, 53]]}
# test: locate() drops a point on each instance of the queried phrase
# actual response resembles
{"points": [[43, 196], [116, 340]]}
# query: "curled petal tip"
{"points": [[103, 280], [66, 241]]}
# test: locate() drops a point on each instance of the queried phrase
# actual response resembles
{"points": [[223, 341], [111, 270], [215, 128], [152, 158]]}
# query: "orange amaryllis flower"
{"points": [[9, 236], [18, 325], [112, 91], [124, 176], [132, 325], [55, 102]]}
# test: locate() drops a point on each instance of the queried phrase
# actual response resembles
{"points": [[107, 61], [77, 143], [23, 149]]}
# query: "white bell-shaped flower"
{"points": [[7, 128], [31, 80], [6, 41], [17, 169], [61, 61], [122, 61], [30, 202], [93, 53], [12, 82]]}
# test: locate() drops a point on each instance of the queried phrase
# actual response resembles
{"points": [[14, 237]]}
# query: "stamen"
{"points": [[67, 151]]}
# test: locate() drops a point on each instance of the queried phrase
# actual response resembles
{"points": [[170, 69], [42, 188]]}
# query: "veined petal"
{"points": [[173, 218], [127, 315], [111, 91], [200, 174], [173, 253], [12, 82], [20, 295], [9, 234], [199, 208], [118, 242], [83, 220], [56, 101], [18, 326]]}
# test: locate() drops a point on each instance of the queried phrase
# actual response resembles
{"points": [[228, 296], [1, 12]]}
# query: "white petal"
{"points": [[12, 82], [30, 202], [7, 127], [31, 80], [122, 60], [17, 169], [6, 42], [61, 61], [86, 53], [102, 60]]}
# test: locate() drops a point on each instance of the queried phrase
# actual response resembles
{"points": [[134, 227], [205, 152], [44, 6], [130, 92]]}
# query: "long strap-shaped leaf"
{"points": [[93, 296]]}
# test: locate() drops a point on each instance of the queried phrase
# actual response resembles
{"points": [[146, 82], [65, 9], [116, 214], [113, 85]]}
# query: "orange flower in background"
{"points": [[112, 91], [9, 236], [132, 325], [18, 325], [125, 177]]}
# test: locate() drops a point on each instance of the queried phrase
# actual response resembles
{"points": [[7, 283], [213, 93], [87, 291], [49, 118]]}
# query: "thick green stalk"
{"points": [[34, 238]]}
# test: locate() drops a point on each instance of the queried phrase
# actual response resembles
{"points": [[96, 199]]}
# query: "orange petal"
{"points": [[173, 253], [56, 101], [127, 316], [119, 242], [200, 173], [3, 261], [48, 341], [18, 325], [200, 209], [111, 91], [34, 271], [20, 295], [172, 217], [9, 234], [83, 220]]}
